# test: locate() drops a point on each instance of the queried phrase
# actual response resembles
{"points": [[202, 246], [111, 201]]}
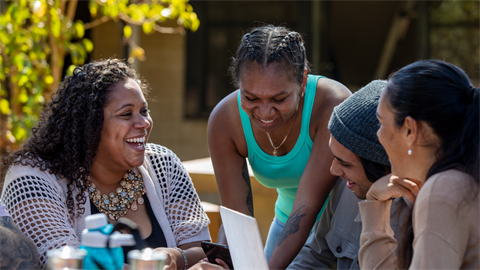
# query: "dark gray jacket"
{"points": [[335, 240]]}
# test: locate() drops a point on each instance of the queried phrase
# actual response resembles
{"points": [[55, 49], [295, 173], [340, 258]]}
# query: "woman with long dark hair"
{"points": [[429, 116], [89, 154]]}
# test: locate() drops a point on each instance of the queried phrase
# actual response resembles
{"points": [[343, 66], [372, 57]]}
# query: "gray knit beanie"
{"points": [[354, 123]]}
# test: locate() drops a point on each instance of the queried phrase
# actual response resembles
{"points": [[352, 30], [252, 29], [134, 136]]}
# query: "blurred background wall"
{"points": [[349, 41]]}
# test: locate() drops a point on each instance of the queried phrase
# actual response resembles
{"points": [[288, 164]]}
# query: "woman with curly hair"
{"points": [[88, 154]]}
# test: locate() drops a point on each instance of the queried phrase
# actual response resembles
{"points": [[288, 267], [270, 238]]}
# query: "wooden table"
{"points": [[201, 172]]}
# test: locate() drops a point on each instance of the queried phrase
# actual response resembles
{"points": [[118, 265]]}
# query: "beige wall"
{"points": [[164, 69]]}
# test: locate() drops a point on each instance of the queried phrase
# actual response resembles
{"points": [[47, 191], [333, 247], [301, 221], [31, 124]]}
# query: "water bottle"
{"points": [[104, 249]]}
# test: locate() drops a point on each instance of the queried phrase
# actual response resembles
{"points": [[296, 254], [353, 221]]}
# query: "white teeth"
{"points": [[136, 140], [266, 121]]}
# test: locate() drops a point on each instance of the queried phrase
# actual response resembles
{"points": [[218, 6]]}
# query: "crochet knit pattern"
{"points": [[36, 201]]}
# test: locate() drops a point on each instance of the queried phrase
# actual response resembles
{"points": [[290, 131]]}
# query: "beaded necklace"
{"points": [[116, 204]]}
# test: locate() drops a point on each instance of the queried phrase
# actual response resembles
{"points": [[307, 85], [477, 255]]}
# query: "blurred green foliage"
{"points": [[36, 36], [455, 35]]}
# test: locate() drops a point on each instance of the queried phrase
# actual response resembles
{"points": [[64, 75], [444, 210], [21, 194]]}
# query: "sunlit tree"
{"points": [[455, 35], [37, 36]]}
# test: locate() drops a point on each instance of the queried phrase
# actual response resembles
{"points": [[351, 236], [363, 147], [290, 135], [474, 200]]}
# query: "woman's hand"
{"points": [[391, 186], [205, 265], [171, 261]]}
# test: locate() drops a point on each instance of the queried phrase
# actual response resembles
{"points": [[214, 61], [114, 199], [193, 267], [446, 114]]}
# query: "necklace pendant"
{"points": [[134, 207], [274, 152]]}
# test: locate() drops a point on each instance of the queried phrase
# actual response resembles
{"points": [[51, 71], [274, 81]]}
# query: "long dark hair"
{"points": [[271, 44], [441, 95], [66, 139]]}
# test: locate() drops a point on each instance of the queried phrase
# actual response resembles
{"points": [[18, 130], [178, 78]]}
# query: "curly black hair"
{"points": [[67, 137]]}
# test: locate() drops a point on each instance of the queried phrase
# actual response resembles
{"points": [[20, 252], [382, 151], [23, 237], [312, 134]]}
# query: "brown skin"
{"points": [[274, 96], [125, 117], [205, 265], [409, 171], [347, 165]]}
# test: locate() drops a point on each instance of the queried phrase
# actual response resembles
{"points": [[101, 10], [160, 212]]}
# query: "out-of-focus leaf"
{"points": [[139, 53], [88, 44], [20, 133], [148, 27], [93, 7], [4, 106], [70, 70], [79, 29], [49, 79], [23, 80], [22, 97], [127, 31]]}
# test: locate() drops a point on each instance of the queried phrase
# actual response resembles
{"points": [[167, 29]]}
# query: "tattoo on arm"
{"points": [[18, 250], [292, 226], [246, 178]]}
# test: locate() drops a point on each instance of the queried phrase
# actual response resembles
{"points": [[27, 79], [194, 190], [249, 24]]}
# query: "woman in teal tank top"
{"points": [[278, 120]]}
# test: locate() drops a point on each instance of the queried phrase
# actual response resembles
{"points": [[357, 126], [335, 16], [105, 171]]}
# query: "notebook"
{"points": [[244, 241]]}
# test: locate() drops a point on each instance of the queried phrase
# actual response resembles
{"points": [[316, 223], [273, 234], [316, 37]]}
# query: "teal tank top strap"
{"points": [[310, 92]]}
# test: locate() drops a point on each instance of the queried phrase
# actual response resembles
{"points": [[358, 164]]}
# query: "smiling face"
{"points": [[126, 127], [390, 136], [268, 95], [348, 166]]}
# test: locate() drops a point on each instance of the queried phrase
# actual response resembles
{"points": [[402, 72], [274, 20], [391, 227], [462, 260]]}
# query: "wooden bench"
{"points": [[203, 178]]}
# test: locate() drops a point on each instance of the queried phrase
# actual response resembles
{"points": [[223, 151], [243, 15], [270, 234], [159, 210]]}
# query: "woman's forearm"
{"points": [[293, 237]]}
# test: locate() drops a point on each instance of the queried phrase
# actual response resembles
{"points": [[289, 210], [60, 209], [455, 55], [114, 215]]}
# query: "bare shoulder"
{"points": [[225, 126], [225, 116], [329, 94]]}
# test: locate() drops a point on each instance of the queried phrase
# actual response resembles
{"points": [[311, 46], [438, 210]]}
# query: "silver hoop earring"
{"points": [[409, 152], [302, 94]]}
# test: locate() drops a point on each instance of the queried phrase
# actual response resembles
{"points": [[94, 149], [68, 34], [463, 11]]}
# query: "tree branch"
{"points": [[63, 4], [158, 28], [72, 7], [97, 22]]}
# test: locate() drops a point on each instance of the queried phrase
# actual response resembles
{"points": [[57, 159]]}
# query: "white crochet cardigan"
{"points": [[36, 200]]}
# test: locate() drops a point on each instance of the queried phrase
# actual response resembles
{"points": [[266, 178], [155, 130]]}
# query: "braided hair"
{"points": [[67, 136], [271, 44]]}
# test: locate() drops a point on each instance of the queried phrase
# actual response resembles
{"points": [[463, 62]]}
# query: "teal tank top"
{"points": [[283, 172]]}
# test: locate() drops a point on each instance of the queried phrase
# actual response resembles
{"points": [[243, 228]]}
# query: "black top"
{"points": [[156, 238]]}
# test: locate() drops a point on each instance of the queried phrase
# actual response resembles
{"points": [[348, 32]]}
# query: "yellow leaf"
{"points": [[23, 80], [49, 79], [79, 29], [88, 44], [139, 53], [93, 11], [22, 97], [20, 133], [70, 69], [4, 106], [147, 27], [127, 31]]}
